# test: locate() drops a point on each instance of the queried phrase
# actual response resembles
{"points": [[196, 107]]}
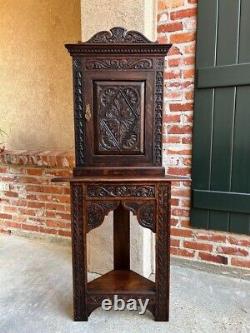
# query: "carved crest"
{"points": [[119, 35]]}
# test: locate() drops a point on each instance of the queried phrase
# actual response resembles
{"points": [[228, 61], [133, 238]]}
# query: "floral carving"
{"points": [[121, 190], [145, 212], [118, 35], [118, 118], [122, 64], [96, 211]]}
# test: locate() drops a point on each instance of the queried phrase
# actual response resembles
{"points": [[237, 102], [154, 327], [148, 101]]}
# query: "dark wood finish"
{"points": [[121, 282], [121, 239], [118, 99], [150, 202], [118, 102]]}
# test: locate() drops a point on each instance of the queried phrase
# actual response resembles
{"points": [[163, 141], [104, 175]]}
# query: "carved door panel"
{"points": [[119, 130]]}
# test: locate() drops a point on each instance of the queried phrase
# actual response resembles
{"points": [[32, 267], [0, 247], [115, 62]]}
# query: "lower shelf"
{"points": [[121, 282]]}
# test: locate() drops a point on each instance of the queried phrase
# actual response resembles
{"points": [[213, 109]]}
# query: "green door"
{"points": [[221, 136]]}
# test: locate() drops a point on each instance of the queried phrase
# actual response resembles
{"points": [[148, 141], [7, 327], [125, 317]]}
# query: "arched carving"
{"points": [[96, 211], [145, 212], [119, 35]]}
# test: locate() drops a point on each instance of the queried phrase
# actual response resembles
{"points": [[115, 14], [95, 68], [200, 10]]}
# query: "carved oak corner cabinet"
{"points": [[118, 99]]}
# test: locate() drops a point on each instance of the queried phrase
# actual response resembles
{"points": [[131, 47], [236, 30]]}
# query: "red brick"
{"points": [[170, 27], [183, 37], [181, 252], [210, 237], [189, 95], [181, 107], [171, 139], [179, 14], [213, 258], [198, 246], [238, 241], [171, 118], [35, 171], [174, 242], [179, 152], [245, 263], [181, 232], [174, 51], [180, 212], [232, 251], [186, 140], [170, 75], [5, 216], [65, 233], [179, 171], [176, 129], [11, 194], [48, 231], [33, 204], [189, 73], [30, 227]]}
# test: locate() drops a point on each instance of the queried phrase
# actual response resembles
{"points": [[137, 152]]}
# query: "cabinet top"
{"points": [[118, 40]]}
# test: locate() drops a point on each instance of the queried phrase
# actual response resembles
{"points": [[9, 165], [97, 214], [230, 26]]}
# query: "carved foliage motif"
{"points": [[96, 211], [158, 117], [118, 35], [121, 190], [145, 213], [162, 251], [122, 64], [78, 248], [118, 118], [79, 112]]}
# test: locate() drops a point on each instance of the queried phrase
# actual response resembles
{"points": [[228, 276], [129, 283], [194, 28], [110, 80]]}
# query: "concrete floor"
{"points": [[36, 297]]}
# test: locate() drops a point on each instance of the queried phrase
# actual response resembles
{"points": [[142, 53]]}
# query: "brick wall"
{"points": [[31, 204], [177, 25]]}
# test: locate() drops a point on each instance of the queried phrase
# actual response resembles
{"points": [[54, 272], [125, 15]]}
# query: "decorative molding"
{"points": [[117, 49], [96, 211], [119, 35], [145, 212], [79, 108], [158, 118], [125, 190], [78, 245], [162, 251], [122, 64]]}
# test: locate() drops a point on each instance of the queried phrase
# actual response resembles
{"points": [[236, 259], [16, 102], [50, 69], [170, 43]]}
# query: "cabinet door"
{"points": [[120, 107]]}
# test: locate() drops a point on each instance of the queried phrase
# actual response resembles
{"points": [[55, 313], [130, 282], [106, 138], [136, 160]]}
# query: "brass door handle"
{"points": [[88, 113]]}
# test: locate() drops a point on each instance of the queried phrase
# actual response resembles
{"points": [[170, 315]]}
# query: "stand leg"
{"points": [[78, 228], [162, 253], [121, 239]]}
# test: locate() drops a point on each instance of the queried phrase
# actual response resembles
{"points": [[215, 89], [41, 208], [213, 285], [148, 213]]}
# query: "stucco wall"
{"points": [[131, 14], [35, 79]]}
